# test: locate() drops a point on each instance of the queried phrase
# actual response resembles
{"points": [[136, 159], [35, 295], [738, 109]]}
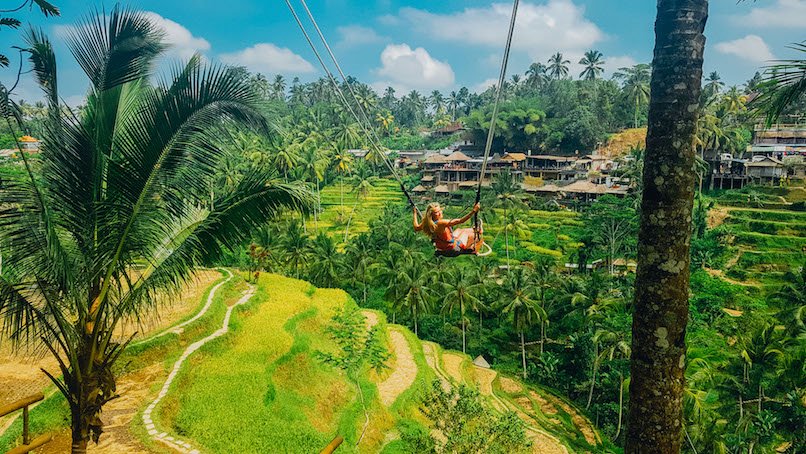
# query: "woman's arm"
{"points": [[417, 225], [464, 218]]}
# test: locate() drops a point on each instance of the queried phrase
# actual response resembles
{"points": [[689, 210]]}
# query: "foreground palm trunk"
{"points": [[662, 282]]}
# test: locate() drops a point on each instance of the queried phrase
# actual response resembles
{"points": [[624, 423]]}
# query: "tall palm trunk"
{"points": [[593, 374], [463, 328], [506, 234], [620, 403], [662, 283], [523, 354]]}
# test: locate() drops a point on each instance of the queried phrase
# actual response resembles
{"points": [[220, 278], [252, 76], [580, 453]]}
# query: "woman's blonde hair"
{"points": [[429, 225]]}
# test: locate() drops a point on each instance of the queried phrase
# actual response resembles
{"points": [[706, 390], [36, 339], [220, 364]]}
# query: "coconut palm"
{"points": [[120, 210], [328, 267], [713, 84], [508, 196], [437, 102], [783, 85], [416, 284], [593, 65], [558, 66], [518, 298], [298, 246], [359, 259], [278, 87], [313, 162], [461, 289], [636, 85], [454, 101], [537, 75], [614, 344]]}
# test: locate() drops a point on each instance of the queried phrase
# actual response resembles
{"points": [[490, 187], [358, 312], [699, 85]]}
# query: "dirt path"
{"points": [[163, 437], [404, 370], [20, 375], [721, 275]]}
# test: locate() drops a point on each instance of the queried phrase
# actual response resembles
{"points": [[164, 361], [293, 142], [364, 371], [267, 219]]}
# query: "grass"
{"points": [[333, 220], [767, 243], [247, 389], [53, 414]]}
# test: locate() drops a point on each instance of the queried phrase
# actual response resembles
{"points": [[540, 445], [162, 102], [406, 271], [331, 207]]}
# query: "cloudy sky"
{"points": [[426, 45]]}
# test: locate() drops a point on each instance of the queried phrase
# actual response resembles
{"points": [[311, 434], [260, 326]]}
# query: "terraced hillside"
{"points": [[243, 376], [335, 216], [765, 244], [549, 233]]}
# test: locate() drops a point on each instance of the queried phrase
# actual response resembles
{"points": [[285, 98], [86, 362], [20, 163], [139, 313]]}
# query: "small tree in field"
{"points": [[357, 349], [465, 425]]}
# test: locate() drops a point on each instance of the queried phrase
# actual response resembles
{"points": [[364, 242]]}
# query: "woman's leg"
{"points": [[465, 238]]}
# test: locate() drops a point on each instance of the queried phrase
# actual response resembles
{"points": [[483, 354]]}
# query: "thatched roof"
{"points": [[419, 188], [442, 189], [457, 156], [585, 187], [481, 362]]}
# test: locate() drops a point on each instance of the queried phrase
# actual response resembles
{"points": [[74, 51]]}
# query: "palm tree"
{"points": [[558, 66], [614, 344], [313, 161], [508, 195], [278, 87], [783, 85], [453, 104], [297, 245], [362, 180], [713, 84], [661, 303], [517, 298], [387, 275], [327, 269], [437, 102], [285, 157], [120, 209], [359, 259], [417, 290], [593, 63], [342, 163], [460, 290], [537, 75], [636, 85]]}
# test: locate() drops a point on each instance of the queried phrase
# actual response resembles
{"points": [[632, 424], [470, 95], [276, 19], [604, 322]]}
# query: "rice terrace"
{"points": [[534, 226]]}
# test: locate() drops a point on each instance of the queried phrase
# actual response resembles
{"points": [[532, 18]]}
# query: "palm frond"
{"points": [[43, 59], [784, 84], [47, 8], [116, 48]]}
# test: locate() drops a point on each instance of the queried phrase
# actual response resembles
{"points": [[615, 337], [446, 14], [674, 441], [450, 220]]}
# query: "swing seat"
{"points": [[480, 249]]}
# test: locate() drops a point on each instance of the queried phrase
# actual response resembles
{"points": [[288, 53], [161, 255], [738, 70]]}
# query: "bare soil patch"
{"points": [[453, 366], [404, 370], [510, 386]]}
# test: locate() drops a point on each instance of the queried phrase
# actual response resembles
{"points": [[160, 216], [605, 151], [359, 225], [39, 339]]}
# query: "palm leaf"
{"points": [[784, 85], [116, 48], [47, 8]]}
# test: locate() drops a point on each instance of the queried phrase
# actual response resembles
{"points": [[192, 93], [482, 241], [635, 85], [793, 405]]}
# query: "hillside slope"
{"points": [[249, 380]]}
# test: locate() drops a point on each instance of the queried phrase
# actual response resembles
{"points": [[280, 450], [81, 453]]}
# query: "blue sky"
{"points": [[425, 45]]}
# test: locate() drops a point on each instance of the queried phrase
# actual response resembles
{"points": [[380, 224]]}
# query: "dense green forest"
{"points": [[340, 222]]}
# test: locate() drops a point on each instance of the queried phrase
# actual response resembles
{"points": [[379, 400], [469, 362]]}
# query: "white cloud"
{"points": [[357, 35], [405, 69], [484, 85], [612, 64], [268, 58], [784, 13], [751, 48], [540, 30], [181, 41]]}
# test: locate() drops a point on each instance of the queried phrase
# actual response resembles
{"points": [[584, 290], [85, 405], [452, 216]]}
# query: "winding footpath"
{"points": [[404, 369], [178, 329], [163, 437]]}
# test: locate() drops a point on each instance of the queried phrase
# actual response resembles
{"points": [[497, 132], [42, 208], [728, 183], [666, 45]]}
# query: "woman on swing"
{"points": [[446, 240]]}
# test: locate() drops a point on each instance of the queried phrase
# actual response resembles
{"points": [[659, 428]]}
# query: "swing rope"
{"points": [[366, 125], [365, 129], [491, 132]]}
